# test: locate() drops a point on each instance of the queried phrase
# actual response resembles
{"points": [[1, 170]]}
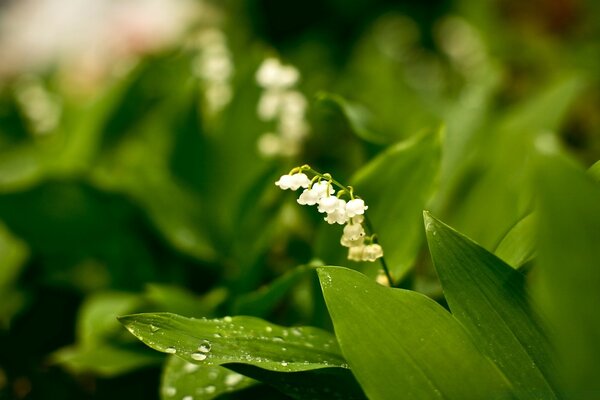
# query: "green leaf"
{"points": [[104, 359], [97, 321], [594, 171], [517, 247], [400, 343], [245, 340], [360, 119], [202, 382], [13, 253], [568, 265], [487, 296], [396, 185]]}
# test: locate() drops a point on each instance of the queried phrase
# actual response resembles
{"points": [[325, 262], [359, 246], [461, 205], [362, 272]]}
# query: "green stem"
{"points": [[382, 258]]}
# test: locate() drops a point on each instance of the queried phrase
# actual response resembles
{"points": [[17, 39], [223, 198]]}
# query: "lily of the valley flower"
{"points": [[319, 191], [293, 182]]}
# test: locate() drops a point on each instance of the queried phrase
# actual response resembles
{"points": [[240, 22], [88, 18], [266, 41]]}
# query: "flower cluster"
{"points": [[213, 65], [319, 191], [282, 103]]}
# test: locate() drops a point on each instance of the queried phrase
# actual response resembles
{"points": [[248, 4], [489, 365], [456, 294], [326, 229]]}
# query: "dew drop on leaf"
{"points": [[204, 346], [198, 356]]}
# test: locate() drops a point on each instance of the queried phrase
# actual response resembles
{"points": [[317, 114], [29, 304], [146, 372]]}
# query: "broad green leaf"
{"points": [[316, 384], [569, 269], [245, 340], [201, 382], [360, 119], [487, 297], [402, 344], [104, 359], [518, 245], [396, 185]]}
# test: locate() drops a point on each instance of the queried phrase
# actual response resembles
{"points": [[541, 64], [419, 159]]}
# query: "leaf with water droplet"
{"points": [[242, 340], [202, 382], [400, 342], [488, 297]]}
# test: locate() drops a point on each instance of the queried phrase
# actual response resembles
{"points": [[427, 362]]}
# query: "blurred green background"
{"points": [[131, 178]]}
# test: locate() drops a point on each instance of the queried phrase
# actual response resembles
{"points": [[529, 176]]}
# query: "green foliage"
{"points": [[142, 201], [399, 341], [568, 254], [488, 298], [203, 382], [408, 171]]}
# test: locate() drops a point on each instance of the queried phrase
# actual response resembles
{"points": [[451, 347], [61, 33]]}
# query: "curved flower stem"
{"points": [[382, 258]]}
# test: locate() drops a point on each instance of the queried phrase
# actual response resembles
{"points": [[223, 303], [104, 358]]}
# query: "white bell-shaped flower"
{"points": [[328, 204], [285, 182], [355, 207], [372, 252], [338, 215], [356, 253], [323, 189], [273, 74], [293, 182], [344, 241], [353, 231], [311, 196], [299, 180], [269, 105]]}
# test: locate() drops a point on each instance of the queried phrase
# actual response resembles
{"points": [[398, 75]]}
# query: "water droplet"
{"points": [[278, 339], [170, 391], [283, 349], [210, 389], [217, 335], [153, 328], [171, 350], [233, 379], [204, 346], [283, 363], [269, 329], [296, 332], [198, 356], [227, 319], [188, 398]]}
